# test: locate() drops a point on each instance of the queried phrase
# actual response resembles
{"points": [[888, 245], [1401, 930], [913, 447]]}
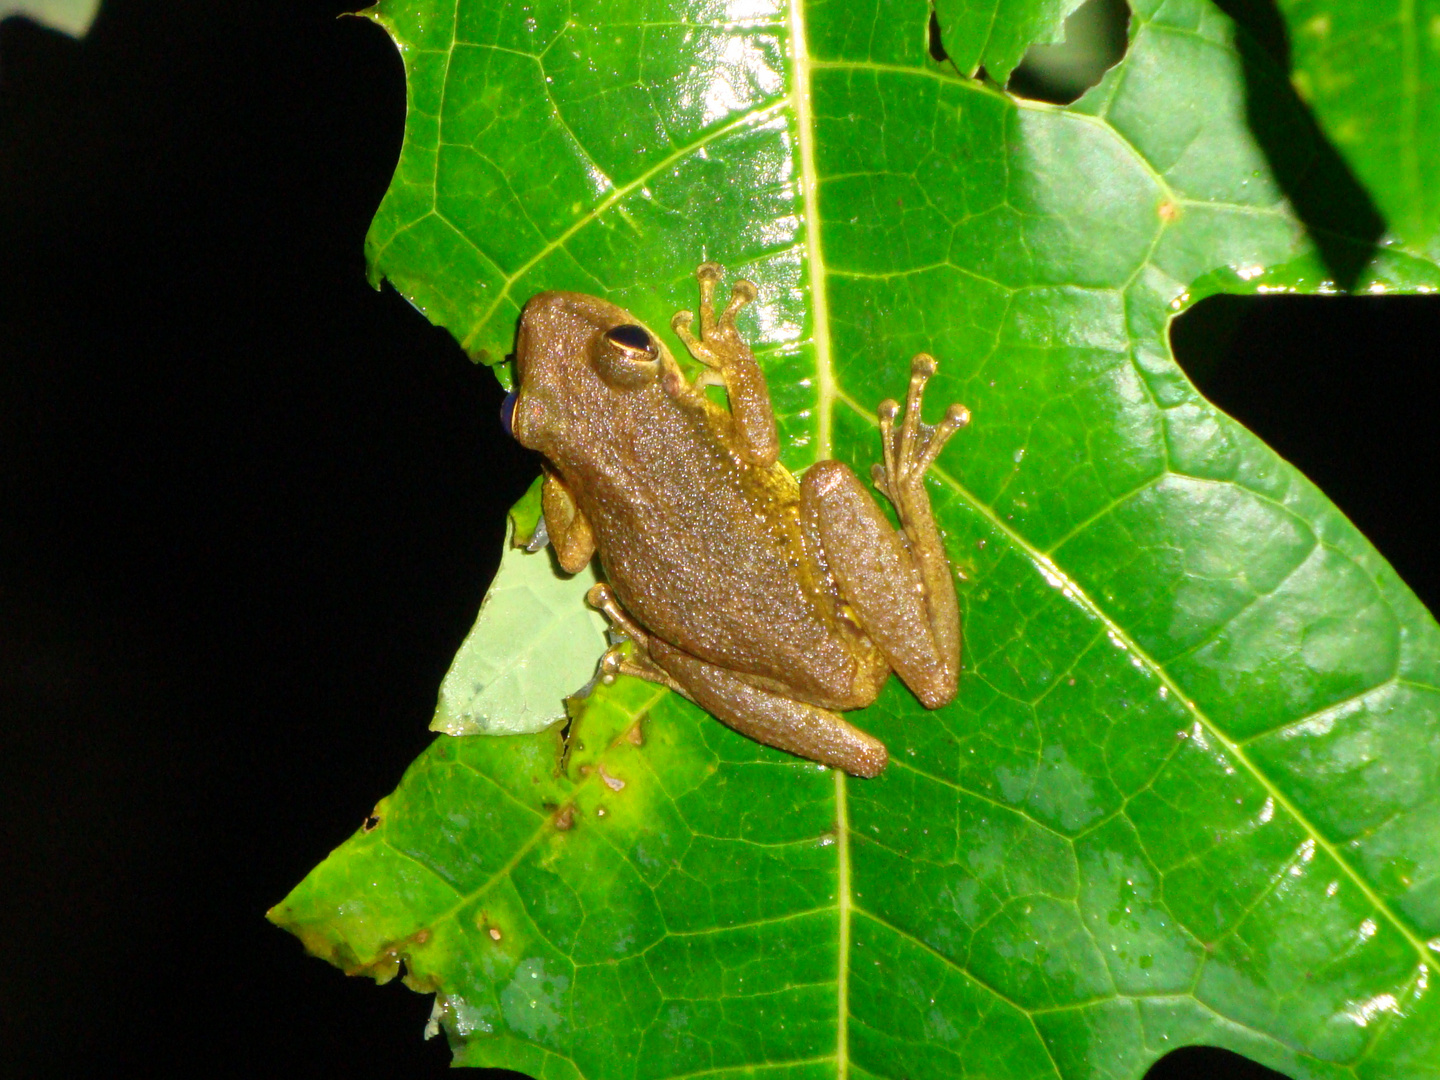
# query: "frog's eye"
{"points": [[632, 338], [626, 356]]}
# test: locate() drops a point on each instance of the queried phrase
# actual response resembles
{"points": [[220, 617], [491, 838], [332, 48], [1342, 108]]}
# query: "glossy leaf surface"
{"points": [[1190, 789], [994, 34]]}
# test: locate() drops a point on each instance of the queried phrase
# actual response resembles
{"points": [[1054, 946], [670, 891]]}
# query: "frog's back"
{"points": [[709, 553]]}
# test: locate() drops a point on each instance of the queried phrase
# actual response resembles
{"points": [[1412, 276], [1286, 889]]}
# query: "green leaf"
{"points": [[1189, 791], [535, 643], [1371, 72], [994, 34], [72, 17]]}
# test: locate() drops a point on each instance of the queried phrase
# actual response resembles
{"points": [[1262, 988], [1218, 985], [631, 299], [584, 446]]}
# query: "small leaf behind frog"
{"points": [[503, 683]]}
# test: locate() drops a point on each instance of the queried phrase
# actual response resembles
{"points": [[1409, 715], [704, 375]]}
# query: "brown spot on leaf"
{"points": [[565, 818], [636, 737], [495, 934], [614, 783], [1169, 212]]}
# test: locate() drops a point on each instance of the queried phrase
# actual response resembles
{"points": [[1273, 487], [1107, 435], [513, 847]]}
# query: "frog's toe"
{"points": [[708, 275], [881, 480], [922, 367], [911, 446], [602, 598], [743, 292], [683, 323]]}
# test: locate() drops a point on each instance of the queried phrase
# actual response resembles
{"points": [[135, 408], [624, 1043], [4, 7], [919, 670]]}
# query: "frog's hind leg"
{"points": [[898, 582], [805, 730], [769, 718]]}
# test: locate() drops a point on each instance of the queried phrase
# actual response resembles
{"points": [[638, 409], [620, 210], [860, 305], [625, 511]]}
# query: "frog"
{"points": [[774, 603]]}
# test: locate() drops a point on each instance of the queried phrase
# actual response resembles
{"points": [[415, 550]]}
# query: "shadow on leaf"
{"points": [[1336, 211]]}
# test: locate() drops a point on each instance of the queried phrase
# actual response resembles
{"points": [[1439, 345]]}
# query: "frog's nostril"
{"points": [[507, 413]]}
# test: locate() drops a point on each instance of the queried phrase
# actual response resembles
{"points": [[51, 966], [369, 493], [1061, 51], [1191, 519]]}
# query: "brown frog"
{"points": [[768, 602]]}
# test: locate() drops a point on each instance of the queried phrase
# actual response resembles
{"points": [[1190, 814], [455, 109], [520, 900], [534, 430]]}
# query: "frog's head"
{"points": [[578, 359]]}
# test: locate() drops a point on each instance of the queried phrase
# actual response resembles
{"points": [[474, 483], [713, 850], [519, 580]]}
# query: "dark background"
{"points": [[248, 507]]}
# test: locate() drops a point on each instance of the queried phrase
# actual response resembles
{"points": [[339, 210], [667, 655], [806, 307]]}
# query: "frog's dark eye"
{"points": [[626, 356], [630, 337]]}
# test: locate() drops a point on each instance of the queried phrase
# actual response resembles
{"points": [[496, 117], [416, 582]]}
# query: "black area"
{"points": [[1261, 20], [936, 40], [1208, 1063], [248, 507], [1096, 34], [1337, 211], [1344, 387]]}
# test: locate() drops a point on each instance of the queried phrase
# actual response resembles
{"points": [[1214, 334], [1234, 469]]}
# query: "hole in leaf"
{"points": [[1343, 387], [937, 45], [371, 823], [1095, 36], [1209, 1063]]}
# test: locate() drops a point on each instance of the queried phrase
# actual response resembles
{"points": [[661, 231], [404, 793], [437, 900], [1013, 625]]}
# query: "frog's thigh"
{"points": [[781, 722], [879, 579]]}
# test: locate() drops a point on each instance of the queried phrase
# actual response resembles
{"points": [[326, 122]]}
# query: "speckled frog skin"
{"points": [[771, 603]]}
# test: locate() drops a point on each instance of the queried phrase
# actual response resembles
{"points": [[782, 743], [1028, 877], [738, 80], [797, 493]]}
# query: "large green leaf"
{"points": [[1189, 791]]}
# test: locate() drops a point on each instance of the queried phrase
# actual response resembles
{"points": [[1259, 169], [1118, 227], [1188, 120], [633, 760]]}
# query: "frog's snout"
{"points": [[507, 413]]}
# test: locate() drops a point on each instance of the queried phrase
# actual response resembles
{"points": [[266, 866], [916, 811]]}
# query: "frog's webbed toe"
{"points": [[719, 342], [615, 661], [912, 447], [729, 361], [899, 584]]}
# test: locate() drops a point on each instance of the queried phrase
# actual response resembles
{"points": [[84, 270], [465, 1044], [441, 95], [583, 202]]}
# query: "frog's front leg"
{"points": [[721, 349], [568, 528], [899, 583], [773, 719]]}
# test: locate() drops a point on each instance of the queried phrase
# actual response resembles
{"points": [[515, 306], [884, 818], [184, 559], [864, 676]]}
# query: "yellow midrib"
{"points": [[825, 401], [810, 196]]}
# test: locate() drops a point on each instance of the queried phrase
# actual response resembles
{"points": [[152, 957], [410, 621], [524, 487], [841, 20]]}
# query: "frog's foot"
{"points": [[719, 346], [912, 447], [616, 661]]}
